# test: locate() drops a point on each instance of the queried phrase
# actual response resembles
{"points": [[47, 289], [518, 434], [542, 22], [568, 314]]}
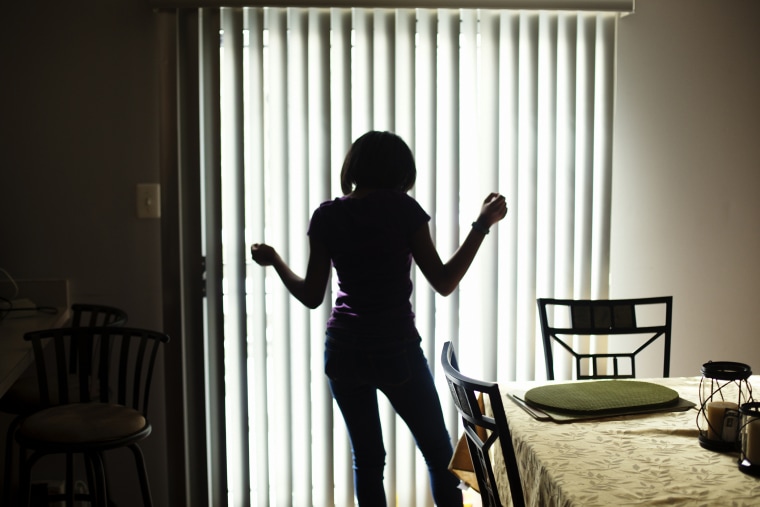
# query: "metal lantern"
{"points": [[749, 457], [723, 389]]}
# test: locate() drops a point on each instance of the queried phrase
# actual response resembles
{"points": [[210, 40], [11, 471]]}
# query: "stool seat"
{"points": [[77, 425]]}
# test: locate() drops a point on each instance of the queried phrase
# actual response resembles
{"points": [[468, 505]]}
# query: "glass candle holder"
{"points": [[749, 457], [722, 390]]}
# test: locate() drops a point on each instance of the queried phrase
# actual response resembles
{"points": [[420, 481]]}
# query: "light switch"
{"points": [[148, 200]]}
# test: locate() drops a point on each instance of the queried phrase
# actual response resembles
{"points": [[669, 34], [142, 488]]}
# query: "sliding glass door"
{"points": [[518, 102]]}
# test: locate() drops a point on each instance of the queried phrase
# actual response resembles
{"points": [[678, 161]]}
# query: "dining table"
{"points": [[652, 458]]}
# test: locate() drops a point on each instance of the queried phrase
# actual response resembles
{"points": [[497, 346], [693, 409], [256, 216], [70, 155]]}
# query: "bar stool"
{"points": [[115, 363], [23, 397]]}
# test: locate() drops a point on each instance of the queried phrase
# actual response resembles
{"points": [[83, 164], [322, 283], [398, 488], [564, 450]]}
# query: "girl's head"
{"points": [[378, 160]]}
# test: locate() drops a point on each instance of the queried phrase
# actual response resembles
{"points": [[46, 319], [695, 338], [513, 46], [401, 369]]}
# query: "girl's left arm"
{"points": [[309, 290]]}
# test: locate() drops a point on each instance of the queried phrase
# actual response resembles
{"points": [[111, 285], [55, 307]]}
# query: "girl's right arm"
{"points": [[309, 290], [444, 278]]}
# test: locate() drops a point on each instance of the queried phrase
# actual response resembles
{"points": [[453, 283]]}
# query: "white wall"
{"points": [[78, 112], [686, 173]]}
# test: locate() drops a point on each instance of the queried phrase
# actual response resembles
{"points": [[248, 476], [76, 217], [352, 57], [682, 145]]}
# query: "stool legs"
{"points": [[142, 474], [96, 479], [10, 443]]}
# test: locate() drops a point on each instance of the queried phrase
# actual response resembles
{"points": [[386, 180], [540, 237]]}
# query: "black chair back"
{"points": [[113, 364], [95, 315], [562, 320], [465, 391]]}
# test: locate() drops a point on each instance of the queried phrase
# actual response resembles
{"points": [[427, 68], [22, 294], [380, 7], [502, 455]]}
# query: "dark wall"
{"points": [[78, 132]]}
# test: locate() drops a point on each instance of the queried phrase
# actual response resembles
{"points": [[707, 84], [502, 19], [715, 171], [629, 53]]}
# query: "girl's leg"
{"points": [[358, 404], [418, 405]]}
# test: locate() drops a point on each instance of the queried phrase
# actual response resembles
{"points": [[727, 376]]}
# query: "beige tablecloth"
{"points": [[648, 459]]}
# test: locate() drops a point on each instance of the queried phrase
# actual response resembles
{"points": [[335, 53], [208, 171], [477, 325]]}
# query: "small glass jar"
{"points": [[722, 390], [749, 457]]}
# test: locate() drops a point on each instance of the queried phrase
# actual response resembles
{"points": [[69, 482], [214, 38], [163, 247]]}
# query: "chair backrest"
{"points": [[94, 315], [641, 320], [465, 391], [113, 364]]}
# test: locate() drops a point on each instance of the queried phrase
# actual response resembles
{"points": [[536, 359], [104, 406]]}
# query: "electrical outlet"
{"points": [[148, 200]]}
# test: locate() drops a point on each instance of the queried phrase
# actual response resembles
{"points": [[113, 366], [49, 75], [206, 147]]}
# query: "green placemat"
{"points": [[601, 397]]}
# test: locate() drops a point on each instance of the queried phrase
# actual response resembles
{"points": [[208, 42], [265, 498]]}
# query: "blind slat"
{"points": [[233, 240], [319, 191]]}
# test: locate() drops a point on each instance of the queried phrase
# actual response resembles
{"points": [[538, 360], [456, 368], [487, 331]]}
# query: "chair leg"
{"points": [[107, 482], [24, 481], [98, 488], [69, 480], [107, 500], [25, 476], [10, 443], [90, 470], [142, 474]]}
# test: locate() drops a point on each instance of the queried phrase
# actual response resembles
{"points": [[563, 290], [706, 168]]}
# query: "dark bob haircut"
{"points": [[378, 160]]}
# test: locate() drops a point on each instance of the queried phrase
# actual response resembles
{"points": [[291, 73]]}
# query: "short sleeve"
{"points": [[414, 215], [318, 225]]}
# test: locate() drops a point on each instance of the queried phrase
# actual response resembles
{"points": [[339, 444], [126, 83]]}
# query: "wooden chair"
{"points": [[640, 321], [23, 397], [115, 363], [465, 391]]}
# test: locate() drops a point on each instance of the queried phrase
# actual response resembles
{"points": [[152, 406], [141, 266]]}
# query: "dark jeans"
{"points": [[400, 371]]}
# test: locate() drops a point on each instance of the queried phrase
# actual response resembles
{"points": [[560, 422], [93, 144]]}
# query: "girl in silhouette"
{"points": [[370, 235]]}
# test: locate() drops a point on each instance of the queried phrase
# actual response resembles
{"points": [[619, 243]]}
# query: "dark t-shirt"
{"points": [[368, 240]]}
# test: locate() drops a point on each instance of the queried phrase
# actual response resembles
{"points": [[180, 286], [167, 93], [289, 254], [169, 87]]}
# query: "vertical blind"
{"points": [[519, 102]]}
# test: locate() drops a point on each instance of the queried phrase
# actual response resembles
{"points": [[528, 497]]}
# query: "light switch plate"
{"points": [[148, 200]]}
